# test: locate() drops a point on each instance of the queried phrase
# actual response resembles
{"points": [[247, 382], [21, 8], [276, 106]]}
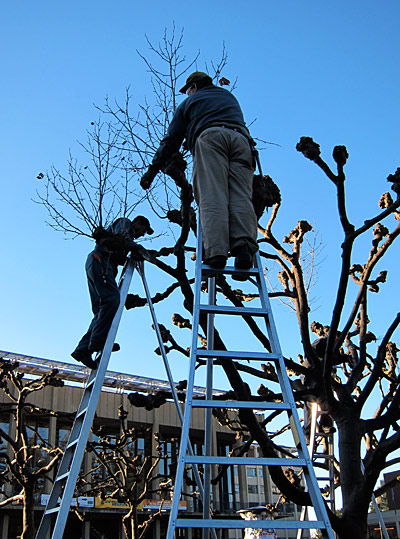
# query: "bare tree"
{"points": [[30, 457], [345, 340], [124, 473]]}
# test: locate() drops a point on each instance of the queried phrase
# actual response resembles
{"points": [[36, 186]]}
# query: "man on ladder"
{"points": [[211, 121], [112, 246]]}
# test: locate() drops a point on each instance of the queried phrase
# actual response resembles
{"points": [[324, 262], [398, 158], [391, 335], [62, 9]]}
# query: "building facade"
{"points": [[239, 487]]}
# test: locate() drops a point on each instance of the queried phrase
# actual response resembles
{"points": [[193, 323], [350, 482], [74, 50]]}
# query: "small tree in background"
{"points": [[126, 474], [30, 457]]}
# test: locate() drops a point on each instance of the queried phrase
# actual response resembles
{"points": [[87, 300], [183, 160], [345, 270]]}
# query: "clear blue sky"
{"points": [[323, 69]]}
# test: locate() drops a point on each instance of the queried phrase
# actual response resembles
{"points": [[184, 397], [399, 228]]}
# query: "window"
{"points": [[260, 472], [3, 447], [62, 437], [38, 436], [252, 489], [251, 472], [169, 450]]}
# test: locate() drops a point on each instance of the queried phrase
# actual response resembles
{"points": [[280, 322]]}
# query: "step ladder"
{"points": [[59, 502], [322, 438], [326, 458], [207, 523], [58, 505]]}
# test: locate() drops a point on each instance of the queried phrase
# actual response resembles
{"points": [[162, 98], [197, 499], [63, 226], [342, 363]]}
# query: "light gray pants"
{"points": [[223, 185]]}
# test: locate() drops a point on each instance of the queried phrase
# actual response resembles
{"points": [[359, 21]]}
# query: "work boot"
{"points": [[97, 348], [217, 262], [85, 358], [243, 258]]}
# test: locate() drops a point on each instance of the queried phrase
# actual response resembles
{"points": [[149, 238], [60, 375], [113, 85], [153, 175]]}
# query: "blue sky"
{"points": [[323, 69]]}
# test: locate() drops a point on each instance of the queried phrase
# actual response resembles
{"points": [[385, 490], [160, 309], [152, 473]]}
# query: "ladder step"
{"points": [[241, 524], [224, 309], [251, 461], [71, 444], [62, 477], [198, 403], [52, 510], [81, 413], [91, 382], [236, 354], [227, 270]]}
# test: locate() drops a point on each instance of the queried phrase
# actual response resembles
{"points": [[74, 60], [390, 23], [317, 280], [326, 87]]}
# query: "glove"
{"points": [[136, 252], [148, 177]]}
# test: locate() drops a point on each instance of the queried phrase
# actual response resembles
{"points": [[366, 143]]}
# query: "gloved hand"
{"points": [[148, 177], [136, 252]]}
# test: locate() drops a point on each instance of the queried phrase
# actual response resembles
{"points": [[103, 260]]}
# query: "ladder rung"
{"points": [[221, 309], [62, 477], [71, 444], [323, 456], [250, 461], [90, 383], [227, 270], [52, 510], [198, 403], [241, 524], [236, 354], [81, 413]]}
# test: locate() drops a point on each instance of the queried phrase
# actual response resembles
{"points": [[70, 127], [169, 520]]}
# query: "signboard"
{"points": [[81, 501], [154, 505], [251, 533], [109, 503]]}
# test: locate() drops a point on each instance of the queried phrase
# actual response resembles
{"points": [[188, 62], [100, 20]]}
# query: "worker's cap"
{"points": [[197, 76], [145, 222]]}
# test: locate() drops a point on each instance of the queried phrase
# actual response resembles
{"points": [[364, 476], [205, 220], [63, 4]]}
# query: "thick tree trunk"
{"points": [[28, 520], [355, 498]]}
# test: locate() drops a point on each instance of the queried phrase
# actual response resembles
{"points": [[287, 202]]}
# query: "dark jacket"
{"points": [[112, 243], [209, 106]]}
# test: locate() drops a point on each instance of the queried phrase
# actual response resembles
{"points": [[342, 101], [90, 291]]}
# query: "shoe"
{"points": [[97, 348], [243, 258], [328, 430], [85, 358], [217, 262]]}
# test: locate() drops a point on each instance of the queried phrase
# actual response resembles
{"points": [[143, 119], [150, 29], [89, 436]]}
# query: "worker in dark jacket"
{"points": [[211, 121], [112, 247]]}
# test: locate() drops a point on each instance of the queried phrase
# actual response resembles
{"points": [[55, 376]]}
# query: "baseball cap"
{"points": [[145, 222], [197, 76]]}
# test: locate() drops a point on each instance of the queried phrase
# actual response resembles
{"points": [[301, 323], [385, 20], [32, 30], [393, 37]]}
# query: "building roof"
{"points": [[76, 374]]}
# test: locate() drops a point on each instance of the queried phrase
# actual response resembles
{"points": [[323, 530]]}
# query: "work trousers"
{"points": [[105, 298], [223, 186]]}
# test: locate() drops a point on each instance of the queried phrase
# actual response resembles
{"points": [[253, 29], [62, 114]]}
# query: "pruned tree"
{"points": [[123, 473], [345, 341], [23, 469]]}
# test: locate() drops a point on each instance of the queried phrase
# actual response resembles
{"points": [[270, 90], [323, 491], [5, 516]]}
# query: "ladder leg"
{"points": [[208, 412]]}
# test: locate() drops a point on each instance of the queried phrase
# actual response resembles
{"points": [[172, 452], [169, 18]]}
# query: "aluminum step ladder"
{"points": [[316, 437], [207, 523], [58, 505], [59, 502]]}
